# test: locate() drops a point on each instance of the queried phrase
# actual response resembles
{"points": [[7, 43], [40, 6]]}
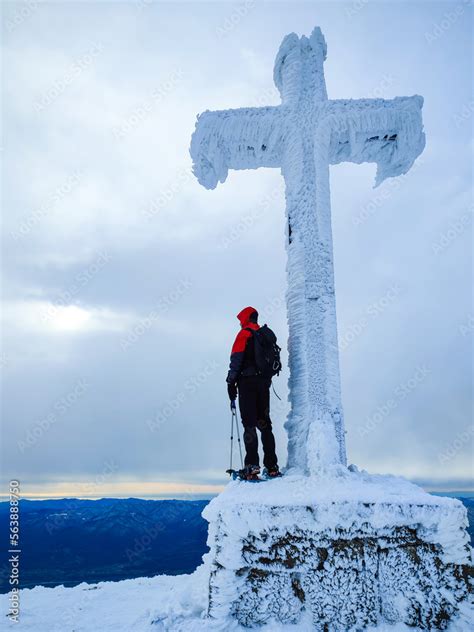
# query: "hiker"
{"points": [[252, 382]]}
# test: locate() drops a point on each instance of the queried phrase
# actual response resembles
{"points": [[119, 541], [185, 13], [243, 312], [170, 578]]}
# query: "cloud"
{"points": [[47, 318], [101, 228]]}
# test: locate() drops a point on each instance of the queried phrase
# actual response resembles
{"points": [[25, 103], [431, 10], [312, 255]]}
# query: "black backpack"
{"points": [[267, 352]]}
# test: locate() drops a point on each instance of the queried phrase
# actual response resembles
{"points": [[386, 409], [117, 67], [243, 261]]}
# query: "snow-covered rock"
{"points": [[349, 549]]}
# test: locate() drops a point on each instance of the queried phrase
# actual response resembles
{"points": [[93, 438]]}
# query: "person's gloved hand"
{"points": [[232, 390]]}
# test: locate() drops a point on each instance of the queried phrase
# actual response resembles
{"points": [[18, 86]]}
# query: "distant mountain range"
{"points": [[70, 541]]}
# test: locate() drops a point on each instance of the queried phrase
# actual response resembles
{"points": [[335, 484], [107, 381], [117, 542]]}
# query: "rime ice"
{"points": [[303, 136], [342, 552]]}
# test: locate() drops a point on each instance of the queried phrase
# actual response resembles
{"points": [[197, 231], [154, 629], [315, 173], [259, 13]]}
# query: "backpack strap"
{"points": [[251, 370]]}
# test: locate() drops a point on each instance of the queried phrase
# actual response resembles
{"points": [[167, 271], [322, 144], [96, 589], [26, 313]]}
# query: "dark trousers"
{"points": [[254, 404]]}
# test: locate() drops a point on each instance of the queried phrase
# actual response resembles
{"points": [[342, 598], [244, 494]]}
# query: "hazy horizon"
{"points": [[189, 491]]}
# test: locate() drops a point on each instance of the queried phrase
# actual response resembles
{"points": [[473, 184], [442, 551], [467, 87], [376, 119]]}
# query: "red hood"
{"points": [[244, 316]]}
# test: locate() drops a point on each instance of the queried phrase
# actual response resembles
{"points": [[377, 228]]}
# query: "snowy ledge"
{"points": [[336, 484], [343, 501]]}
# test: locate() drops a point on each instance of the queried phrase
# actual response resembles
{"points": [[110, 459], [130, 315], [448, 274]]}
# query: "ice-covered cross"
{"points": [[303, 136]]}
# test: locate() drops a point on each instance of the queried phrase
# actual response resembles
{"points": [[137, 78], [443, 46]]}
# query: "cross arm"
{"points": [[388, 132], [244, 138]]}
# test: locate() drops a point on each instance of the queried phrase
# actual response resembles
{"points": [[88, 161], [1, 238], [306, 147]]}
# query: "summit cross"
{"points": [[303, 136]]}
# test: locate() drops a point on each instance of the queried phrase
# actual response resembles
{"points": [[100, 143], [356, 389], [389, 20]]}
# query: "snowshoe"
{"points": [[272, 472], [248, 473], [238, 475]]}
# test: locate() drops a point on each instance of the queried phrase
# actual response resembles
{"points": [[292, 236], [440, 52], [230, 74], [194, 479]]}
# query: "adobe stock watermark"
{"points": [[265, 96], [275, 303], [109, 469], [355, 7], [143, 542], [37, 215], [380, 89], [384, 193], [162, 307], [371, 312], [191, 386], [164, 197], [467, 327], [60, 407], [450, 17], [272, 306], [69, 616], [140, 113], [399, 394], [76, 69], [248, 221], [464, 114], [23, 11], [455, 229], [14, 552], [89, 488], [231, 22], [144, 4], [81, 279], [456, 445]]}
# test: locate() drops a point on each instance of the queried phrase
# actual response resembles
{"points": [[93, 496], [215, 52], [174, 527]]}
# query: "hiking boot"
{"points": [[273, 472], [250, 473]]}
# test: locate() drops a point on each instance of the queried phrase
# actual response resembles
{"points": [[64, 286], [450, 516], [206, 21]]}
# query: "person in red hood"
{"points": [[254, 397]]}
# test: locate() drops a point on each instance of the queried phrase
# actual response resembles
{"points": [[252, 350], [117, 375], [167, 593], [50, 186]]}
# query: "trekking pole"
{"points": [[238, 436], [229, 471]]}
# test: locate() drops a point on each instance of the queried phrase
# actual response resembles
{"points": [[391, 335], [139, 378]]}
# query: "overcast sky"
{"points": [[123, 276]]}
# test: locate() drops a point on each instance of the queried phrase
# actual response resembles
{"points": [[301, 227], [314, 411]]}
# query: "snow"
{"points": [[368, 547], [157, 604], [303, 136], [335, 485]]}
